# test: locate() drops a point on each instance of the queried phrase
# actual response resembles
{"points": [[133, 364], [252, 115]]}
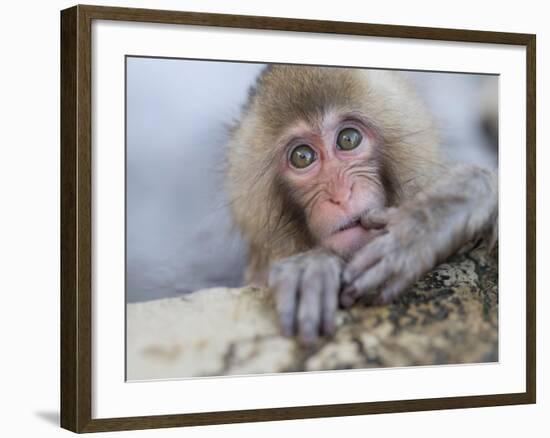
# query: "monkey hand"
{"points": [[389, 264], [306, 287], [420, 233]]}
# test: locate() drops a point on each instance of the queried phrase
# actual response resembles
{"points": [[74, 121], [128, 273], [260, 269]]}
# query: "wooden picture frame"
{"points": [[76, 218]]}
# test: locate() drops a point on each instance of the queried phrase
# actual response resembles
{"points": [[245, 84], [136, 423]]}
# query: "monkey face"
{"points": [[331, 168]]}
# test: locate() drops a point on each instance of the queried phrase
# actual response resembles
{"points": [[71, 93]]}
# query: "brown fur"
{"points": [[262, 205]]}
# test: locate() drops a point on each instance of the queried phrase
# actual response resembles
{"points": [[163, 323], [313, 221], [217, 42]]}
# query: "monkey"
{"points": [[336, 182]]}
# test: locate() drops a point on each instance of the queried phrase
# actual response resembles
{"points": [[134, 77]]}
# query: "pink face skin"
{"points": [[339, 185]]}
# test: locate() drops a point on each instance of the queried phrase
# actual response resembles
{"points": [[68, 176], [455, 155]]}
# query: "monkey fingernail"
{"points": [[329, 327], [287, 326], [308, 333], [369, 223], [347, 298]]}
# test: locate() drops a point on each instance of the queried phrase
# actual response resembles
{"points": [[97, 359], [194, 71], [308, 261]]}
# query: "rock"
{"points": [[448, 317]]}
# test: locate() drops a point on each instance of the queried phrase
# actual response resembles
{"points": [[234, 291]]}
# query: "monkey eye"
{"points": [[302, 156], [348, 139]]}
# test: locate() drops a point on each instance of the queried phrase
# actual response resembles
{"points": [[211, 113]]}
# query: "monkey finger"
{"points": [[309, 308], [366, 284], [367, 257], [351, 294], [373, 234], [284, 285], [330, 302], [348, 297], [377, 218]]}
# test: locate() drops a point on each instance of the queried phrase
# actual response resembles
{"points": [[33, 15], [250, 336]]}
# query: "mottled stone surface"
{"points": [[448, 317]]}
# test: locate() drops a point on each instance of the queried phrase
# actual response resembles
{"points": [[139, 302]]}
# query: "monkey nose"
{"points": [[341, 196], [341, 199]]}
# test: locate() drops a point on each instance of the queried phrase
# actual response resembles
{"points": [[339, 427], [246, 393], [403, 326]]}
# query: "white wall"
{"points": [[29, 230]]}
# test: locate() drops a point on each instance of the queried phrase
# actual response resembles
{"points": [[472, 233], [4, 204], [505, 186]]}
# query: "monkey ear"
{"points": [[377, 218]]}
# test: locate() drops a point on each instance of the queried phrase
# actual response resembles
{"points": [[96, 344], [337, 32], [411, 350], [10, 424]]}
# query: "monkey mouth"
{"points": [[347, 237], [352, 223]]}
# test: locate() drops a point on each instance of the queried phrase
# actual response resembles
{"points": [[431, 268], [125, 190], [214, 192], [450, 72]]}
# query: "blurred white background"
{"points": [[179, 234]]}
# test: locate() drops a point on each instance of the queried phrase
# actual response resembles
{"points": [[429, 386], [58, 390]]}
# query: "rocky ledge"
{"points": [[448, 317]]}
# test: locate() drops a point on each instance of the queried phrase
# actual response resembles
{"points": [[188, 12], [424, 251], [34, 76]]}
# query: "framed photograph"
{"points": [[267, 218]]}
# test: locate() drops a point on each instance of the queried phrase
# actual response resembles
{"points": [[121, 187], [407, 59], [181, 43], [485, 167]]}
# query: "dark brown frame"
{"points": [[76, 236]]}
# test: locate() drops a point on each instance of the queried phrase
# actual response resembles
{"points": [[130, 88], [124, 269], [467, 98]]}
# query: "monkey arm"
{"points": [[461, 205], [306, 287]]}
